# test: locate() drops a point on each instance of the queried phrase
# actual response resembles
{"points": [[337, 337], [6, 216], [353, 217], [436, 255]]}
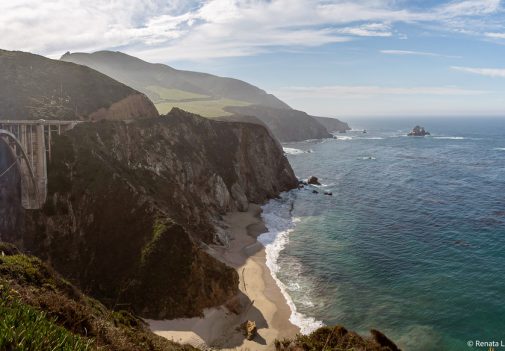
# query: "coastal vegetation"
{"points": [[41, 311]]}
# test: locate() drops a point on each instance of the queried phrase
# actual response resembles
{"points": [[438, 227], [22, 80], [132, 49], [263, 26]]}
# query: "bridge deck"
{"points": [[38, 122]]}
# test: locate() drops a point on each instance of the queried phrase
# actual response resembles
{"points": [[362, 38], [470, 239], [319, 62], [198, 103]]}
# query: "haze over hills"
{"points": [[35, 87], [204, 94]]}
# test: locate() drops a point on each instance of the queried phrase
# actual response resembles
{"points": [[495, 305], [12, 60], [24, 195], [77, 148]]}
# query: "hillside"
{"points": [[35, 87], [42, 311], [168, 87], [333, 124], [286, 125], [203, 94]]}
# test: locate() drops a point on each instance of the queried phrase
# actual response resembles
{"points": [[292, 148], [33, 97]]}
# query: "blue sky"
{"points": [[326, 57]]}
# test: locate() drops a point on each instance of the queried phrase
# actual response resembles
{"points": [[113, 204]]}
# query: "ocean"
{"points": [[411, 243]]}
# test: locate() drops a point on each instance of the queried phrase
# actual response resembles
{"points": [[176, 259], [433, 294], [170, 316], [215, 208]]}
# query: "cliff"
{"points": [[286, 125], [333, 124], [35, 87], [132, 206]]}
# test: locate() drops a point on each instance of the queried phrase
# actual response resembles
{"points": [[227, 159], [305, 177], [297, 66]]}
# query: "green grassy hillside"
{"points": [[205, 108], [41, 311]]}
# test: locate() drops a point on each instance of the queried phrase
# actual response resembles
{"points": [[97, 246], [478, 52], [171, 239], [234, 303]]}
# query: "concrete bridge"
{"points": [[30, 146]]}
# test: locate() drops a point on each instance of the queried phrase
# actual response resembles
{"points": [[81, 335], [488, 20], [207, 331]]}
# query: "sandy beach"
{"points": [[259, 295]]}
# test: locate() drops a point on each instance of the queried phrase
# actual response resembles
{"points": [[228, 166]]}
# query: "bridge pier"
{"points": [[30, 144]]}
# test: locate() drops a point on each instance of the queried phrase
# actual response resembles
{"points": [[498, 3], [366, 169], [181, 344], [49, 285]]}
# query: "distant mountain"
{"points": [[203, 94], [333, 124], [286, 125], [166, 85], [35, 87]]}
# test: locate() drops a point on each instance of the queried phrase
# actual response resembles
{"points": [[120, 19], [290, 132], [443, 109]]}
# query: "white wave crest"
{"points": [[277, 218], [344, 138], [450, 137], [293, 151], [499, 148]]}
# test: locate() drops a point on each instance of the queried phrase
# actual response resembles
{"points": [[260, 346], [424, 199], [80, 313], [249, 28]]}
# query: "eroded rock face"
{"points": [[131, 204]]}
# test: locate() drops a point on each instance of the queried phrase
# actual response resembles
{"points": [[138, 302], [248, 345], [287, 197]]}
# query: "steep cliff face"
{"points": [[131, 206], [35, 87]]}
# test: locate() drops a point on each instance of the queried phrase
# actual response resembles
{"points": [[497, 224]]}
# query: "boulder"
{"points": [[249, 329], [383, 340], [313, 180], [418, 131], [329, 193]]}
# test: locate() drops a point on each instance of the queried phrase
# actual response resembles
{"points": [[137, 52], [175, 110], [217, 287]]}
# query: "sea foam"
{"points": [[449, 137], [277, 217], [293, 151]]}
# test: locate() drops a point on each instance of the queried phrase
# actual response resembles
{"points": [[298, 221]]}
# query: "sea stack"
{"points": [[418, 131]]}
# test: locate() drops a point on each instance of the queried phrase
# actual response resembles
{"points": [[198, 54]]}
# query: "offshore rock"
{"points": [[313, 180], [418, 131]]}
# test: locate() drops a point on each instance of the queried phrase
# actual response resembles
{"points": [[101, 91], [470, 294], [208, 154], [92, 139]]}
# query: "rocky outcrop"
{"points": [[418, 131], [131, 207], [35, 87], [313, 180], [333, 124], [337, 338], [249, 329]]}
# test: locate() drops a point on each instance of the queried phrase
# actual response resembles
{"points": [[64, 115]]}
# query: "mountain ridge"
{"points": [[205, 94], [35, 87]]}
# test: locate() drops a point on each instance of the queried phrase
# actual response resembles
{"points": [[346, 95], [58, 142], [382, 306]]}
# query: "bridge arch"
{"points": [[30, 198]]}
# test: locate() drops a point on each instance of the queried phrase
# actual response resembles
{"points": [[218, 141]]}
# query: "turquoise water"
{"points": [[412, 242]]}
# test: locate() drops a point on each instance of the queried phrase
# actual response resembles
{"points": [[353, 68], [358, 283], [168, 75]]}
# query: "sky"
{"points": [[360, 58]]}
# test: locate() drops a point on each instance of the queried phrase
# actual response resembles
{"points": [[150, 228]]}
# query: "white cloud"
{"points": [[369, 30], [495, 35], [181, 29], [489, 72], [415, 53], [470, 8]]}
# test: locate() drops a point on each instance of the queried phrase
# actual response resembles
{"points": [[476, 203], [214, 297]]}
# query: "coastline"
{"points": [[260, 297]]}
